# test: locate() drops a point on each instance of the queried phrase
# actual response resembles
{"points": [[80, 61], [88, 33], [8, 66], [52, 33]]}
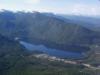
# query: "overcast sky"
{"points": [[82, 7]]}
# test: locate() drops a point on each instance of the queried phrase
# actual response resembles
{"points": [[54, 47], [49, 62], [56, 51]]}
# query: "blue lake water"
{"points": [[52, 52]]}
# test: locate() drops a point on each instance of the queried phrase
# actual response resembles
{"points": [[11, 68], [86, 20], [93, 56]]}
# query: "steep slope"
{"points": [[94, 55], [42, 29], [9, 46], [14, 60], [90, 22], [10, 53]]}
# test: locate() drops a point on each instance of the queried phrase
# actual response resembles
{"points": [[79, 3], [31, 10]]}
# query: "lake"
{"points": [[51, 51]]}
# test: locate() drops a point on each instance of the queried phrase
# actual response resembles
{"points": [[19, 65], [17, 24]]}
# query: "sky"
{"points": [[77, 7]]}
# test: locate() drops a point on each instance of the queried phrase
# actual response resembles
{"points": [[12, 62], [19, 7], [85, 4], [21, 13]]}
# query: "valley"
{"points": [[35, 43]]}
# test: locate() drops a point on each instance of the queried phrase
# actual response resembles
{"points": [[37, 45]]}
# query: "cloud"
{"points": [[19, 1], [53, 6], [84, 9], [31, 1], [18, 4]]}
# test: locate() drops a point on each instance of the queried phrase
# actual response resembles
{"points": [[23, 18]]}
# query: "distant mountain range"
{"points": [[47, 29], [86, 21], [73, 33], [91, 22]]}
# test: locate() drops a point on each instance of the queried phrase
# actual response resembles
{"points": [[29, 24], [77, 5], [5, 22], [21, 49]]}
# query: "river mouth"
{"points": [[52, 52]]}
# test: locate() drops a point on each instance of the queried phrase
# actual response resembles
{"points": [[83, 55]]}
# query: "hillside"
{"points": [[94, 55], [38, 28], [10, 53], [15, 60], [90, 22]]}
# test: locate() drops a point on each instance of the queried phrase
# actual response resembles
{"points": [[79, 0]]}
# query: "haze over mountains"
{"points": [[91, 22]]}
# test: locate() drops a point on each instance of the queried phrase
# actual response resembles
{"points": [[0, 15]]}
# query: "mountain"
{"points": [[9, 46], [86, 21], [16, 60], [94, 56], [10, 52], [39, 28]]}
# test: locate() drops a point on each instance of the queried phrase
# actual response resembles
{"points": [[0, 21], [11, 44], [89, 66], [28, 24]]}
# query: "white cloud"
{"points": [[31, 5], [31, 1], [83, 9], [18, 4]]}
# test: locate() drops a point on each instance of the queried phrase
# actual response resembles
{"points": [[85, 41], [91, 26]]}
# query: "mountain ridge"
{"points": [[43, 29]]}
